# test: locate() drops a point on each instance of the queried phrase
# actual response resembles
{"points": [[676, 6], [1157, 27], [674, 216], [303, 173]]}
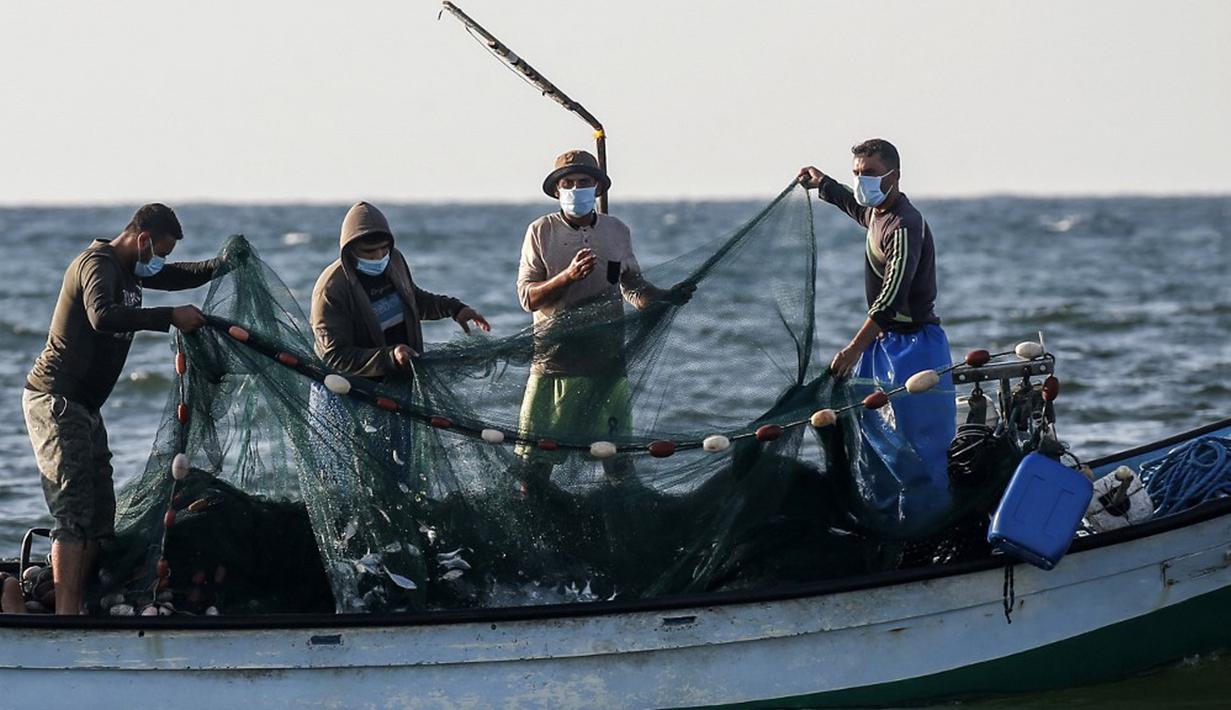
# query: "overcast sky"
{"points": [[278, 100]]}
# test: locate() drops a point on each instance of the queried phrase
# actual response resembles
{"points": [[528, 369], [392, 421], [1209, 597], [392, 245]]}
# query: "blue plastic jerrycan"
{"points": [[1040, 511]]}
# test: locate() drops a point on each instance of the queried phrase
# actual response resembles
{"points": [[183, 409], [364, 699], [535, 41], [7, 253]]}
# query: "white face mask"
{"points": [[868, 189], [579, 201], [146, 269]]}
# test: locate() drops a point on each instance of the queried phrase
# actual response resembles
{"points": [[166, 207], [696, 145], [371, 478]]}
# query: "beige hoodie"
{"points": [[347, 333]]}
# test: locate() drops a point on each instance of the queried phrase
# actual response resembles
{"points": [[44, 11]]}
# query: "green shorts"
{"points": [[70, 448], [576, 409]]}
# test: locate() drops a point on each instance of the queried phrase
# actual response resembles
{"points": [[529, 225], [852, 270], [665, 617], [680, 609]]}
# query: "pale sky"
{"points": [[129, 101]]}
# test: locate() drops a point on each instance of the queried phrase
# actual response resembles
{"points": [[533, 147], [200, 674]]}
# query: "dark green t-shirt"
{"points": [[98, 311]]}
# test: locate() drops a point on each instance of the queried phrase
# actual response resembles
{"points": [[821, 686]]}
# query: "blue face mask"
{"points": [[146, 269], [579, 201], [372, 267], [868, 189]]}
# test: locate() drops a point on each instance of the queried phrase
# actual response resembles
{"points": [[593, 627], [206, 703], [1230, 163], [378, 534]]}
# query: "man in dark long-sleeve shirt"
{"points": [[98, 310], [901, 334]]}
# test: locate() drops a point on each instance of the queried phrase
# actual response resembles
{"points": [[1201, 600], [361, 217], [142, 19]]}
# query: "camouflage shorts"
{"points": [[70, 447]]}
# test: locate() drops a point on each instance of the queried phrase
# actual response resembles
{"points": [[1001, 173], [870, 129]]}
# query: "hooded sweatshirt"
{"points": [[347, 331]]}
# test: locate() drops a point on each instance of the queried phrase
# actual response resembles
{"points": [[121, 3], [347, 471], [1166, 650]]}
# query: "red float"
{"points": [[1051, 388], [238, 333], [386, 404], [198, 577], [978, 358], [181, 413], [288, 359], [876, 400], [164, 568], [440, 422], [547, 445], [768, 432], [661, 449], [168, 518], [181, 363]]}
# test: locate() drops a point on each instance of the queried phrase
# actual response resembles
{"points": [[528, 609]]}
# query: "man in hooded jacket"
{"points": [[366, 308]]}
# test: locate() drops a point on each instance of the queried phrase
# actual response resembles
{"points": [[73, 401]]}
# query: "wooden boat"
{"points": [[1119, 603]]}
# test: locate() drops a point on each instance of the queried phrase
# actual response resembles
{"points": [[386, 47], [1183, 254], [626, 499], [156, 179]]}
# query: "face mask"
{"points": [[868, 189], [146, 269], [578, 202], [372, 267]]}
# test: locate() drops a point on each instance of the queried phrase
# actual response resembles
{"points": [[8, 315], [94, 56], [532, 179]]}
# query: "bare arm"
{"points": [[844, 362]]}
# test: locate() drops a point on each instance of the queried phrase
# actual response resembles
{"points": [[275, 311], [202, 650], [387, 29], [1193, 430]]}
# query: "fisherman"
{"points": [[366, 308], [366, 314], [97, 312], [577, 267], [901, 334]]}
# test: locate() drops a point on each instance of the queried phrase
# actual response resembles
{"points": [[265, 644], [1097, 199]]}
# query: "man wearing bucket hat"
{"points": [[577, 269]]}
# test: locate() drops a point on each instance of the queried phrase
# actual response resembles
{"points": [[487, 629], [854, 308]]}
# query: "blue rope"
{"points": [[1188, 475]]}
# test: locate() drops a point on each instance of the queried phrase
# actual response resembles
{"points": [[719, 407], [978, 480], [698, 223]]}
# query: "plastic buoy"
{"points": [[440, 422], [978, 358], [661, 449], [823, 418], [288, 359], [1029, 350], [181, 363], [602, 449], [547, 445], [715, 443], [1123, 473], [212, 611], [337, 384], [181, 413], [493, 436], [876, 400], [1051, 388], [179, 467], [164, 568], [768, 432], [168, 518], [386, 404], [122, 610], [238, 333], [150, 610], [922, 381], [198, 505]]}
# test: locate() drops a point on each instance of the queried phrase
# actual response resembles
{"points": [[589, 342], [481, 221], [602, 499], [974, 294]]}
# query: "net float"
{"points": [[198, 505], [492, 436], [441, 422], [288, 359], [1028, 350], [661, 449], [547, 445], [876, 400], [179, 467], [1051, 388], [238, 333], [168, 518], [337, 384], [150, 610], [922, 381], [822, 418], [212, 611], [181, 363], [978, 358], [386, 404], [198, 577], [768, 432], [602, 449], [181, 413], [122, 610], [715, 443], [220, 574], [164, 568]]}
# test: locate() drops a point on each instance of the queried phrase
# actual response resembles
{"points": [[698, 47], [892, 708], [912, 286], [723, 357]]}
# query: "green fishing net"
{"points": [[433, 492]]}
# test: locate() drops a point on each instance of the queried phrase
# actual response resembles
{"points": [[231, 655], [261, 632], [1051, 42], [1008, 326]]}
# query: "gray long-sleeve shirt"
{"points": [[98, 311], [900, 269]]}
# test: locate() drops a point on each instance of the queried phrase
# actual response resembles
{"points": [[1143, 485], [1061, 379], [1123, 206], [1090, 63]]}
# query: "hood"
{"points": [[361, 220]]}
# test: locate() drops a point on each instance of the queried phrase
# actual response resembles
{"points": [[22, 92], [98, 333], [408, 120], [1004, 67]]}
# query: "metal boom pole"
{"points": [[502, 52]]}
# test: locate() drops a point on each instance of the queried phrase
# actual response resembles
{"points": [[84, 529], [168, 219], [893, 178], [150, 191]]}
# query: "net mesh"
{"points": [[394, 495]]}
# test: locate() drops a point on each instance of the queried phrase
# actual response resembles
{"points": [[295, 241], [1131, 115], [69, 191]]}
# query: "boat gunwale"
{"points": [[493, 615]]}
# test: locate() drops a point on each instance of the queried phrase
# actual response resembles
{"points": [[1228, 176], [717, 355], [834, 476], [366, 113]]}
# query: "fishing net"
{"points": [[678, 459]]}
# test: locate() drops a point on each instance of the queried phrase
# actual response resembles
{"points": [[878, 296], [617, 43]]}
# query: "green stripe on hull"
{"points": [[1112, 652]]}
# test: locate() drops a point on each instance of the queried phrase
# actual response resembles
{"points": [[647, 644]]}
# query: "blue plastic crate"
{"points": [[1040, 511]]}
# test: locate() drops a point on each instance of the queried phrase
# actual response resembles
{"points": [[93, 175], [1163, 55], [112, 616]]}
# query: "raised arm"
{"points": [[835, 193]]}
